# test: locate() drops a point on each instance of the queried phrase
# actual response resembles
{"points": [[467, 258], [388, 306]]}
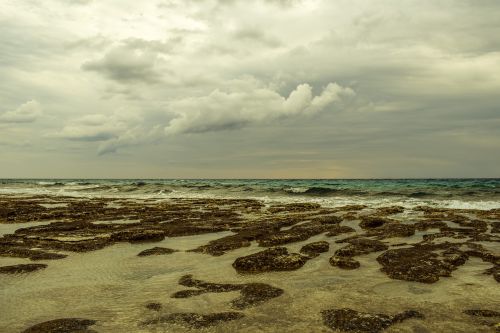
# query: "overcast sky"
{"points": [[249, 88]]}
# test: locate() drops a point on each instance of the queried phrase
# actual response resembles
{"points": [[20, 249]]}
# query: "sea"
{"points": [[447, 193]]}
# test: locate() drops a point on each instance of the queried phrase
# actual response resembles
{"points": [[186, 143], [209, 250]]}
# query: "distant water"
{"points": [[453, 193]]}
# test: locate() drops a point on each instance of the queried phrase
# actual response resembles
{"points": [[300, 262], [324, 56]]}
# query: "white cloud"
{"points": [[229, 110], [26, 113]]}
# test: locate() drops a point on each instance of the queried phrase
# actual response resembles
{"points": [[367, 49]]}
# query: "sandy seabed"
{"points": [[222, 265]]}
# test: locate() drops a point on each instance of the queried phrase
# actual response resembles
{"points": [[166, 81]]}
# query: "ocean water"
{"points": [[450, 193]]}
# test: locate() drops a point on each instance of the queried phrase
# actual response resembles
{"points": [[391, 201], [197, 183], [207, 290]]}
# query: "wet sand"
{"points": [[103, 279]]}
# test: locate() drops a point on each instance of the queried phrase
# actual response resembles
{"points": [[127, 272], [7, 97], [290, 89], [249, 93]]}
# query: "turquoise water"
{"points": [[455, 193]]}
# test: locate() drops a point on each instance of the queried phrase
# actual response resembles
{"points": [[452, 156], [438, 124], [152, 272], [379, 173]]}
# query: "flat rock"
{"points": [[314, 249], [353, 321], [64, 325], [482, 313], [250, 293], [344, 262], [414, 264], [273, 259], [22, 268], [156, 251]]}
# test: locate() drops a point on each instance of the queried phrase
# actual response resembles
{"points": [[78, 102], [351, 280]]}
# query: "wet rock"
{"points": [[495, 271], [196, 320], [314, 249], [330, 219], [156, 251], [241, 239], [273, 259], [360, 246], [138, 236], [65, 325], [22, 268], [384, 211], [344, 262], [8, 250], [154, 306], [370, 222], [255, 293], [482, 313], [354, 321], [429, 224], [297, 233], [415, 264], [337, 230], [250, 293], [389, 230]]}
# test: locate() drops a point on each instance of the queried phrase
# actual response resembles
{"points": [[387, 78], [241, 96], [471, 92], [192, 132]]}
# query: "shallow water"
{"points": [[112, 286]]}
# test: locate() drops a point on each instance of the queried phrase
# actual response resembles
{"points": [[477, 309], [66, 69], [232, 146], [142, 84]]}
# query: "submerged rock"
{"points": [[419, 264], [154, 306], [196, 320], [273, 259], [343, 257], [251, 293], [137, 236], [22, 268], [354, 321], [65, 325], [344, 262], [314, 249], [482, 313], [370, 222], [156, 251]]}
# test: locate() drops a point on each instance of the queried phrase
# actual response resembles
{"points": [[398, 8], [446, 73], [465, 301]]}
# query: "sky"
{"points": [[249, 88]]}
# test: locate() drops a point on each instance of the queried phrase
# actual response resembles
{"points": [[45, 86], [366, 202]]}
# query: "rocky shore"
{"points": [[421, 245]]}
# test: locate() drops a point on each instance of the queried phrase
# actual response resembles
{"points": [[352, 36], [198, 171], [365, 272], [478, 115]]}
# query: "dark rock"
{"points": [[137, 236], [429, 224], [156, 251], [65, 325], [23, 268], [415, 264], [297, 233], [344, 262], [495, 271], [370, 222], [359, 246], [196, 320], [18, 252], [154, 306], [250, 293], [384, 211], [241, 239], [482, 313], [314, 249], [273, 259], [254, 294], [389, 230], [330, 219], [353, 321], [337, 230]]}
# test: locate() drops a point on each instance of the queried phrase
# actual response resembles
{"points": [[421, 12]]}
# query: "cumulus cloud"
{"points": [[26, 113], [230, 110], [98, 127], [131, 60]]}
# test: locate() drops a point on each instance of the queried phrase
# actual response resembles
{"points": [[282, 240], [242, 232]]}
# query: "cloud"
{"points": [[26, 113], [230, 110], [98, 127], [131, 60]]}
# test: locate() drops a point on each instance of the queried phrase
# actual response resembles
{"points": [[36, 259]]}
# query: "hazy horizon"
{"points": [[262, 89]]}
